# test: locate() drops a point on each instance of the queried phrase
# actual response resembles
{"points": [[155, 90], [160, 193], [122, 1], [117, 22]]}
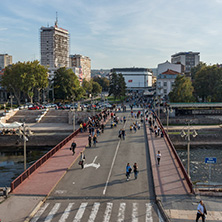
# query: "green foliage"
{"points": [[208, 83], [66, 85], [197, 68], [25, 77], [96, 88], [182, 90], [117, 86], [103, 81]]}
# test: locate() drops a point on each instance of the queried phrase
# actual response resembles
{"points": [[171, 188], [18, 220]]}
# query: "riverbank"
{"points": [[207, 135]]}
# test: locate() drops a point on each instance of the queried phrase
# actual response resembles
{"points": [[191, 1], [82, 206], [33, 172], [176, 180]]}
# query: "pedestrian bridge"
{"points": [[170, 180]]}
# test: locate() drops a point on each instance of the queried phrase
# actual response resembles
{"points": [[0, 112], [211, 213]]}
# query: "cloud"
{"points": [[3, 29]]}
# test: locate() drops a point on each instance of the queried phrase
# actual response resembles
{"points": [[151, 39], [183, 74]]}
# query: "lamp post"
{"points": [[74, 117], [11, 97], [24, 131], [167, 110], [187, 135]]}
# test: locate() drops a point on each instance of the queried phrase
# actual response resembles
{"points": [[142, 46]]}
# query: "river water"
{"points": [[199, 170], [12, 162]]}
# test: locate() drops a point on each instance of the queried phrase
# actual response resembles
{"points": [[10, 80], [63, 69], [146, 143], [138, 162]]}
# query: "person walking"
{"points": [[158, 156], [82, 160], [73, 146], [201, 211], [94, 140], [123, 133], [128, 171], [135, 170], [120, 133], [102, 127], [90, 140]]}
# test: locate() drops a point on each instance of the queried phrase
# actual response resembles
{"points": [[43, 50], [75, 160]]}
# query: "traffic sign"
{"points": [[210, 160]]}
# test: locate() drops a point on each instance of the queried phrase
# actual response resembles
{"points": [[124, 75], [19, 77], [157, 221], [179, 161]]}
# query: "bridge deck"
{"points": [[168, 177]]}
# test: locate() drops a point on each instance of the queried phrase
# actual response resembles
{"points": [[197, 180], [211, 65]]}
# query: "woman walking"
{"points": [[135, 170], [82, 160], [128, 171], [158, 156]]}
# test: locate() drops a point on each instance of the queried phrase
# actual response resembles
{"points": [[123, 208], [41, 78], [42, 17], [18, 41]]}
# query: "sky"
{"points": [[116, 33]]}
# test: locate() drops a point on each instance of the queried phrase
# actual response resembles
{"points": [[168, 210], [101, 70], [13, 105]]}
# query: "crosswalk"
{"points": [[96, 211]]}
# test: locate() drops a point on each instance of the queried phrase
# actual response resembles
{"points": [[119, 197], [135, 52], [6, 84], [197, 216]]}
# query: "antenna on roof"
{"points": [[56, 22]]}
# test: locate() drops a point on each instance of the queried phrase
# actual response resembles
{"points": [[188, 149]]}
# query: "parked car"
{"points": [[33, 108]]}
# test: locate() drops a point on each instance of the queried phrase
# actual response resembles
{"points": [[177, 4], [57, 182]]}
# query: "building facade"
{"points": [[83, 63], [188, 59], [5, 60], [165, 81], [163, 67], [54, 47], [136, 78]]}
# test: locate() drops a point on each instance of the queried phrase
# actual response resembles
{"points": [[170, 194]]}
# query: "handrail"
{"points": [[189, 182], [16, 182]]}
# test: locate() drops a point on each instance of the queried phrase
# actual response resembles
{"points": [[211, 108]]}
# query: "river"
{"points": [[199, 170], [12, 162]]}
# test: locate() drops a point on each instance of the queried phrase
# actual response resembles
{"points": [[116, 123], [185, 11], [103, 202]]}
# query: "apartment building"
{"points": [[165, 81], [54, 46], [83, 63], [188, 59], [5, 60]]}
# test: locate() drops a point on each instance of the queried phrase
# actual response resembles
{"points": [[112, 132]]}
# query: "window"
{"points": [[164, 83], [165, 91]]}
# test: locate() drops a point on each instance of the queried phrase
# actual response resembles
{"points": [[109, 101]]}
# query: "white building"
{"points": [[5, 60], [188, 59], [54, 46], [165, 81], [136, 78], [162, 67]]}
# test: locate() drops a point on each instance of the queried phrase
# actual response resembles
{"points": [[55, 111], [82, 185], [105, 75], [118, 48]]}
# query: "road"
{"points": [[100, 192]]}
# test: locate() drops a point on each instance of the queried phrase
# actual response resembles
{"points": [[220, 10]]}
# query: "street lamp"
{"points": [[167, 110], [24, 132], [187, 135], [74, 117], [11, 97]]}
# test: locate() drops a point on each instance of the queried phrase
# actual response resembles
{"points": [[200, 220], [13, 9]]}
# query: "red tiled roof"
{"points": [[171, 72]]}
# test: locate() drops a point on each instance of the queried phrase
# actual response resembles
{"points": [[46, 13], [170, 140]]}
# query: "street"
{"points": [[100, 191]]}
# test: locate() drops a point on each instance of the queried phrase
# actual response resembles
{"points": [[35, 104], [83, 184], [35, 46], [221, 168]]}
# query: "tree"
{"points": [[182, 90], [113, 87], [87, 86], [12, 80], [66, 85], [25, 77], [117, 85], [121, 85], [197, 68], [103, 81], [96, 88], [207, 83]]}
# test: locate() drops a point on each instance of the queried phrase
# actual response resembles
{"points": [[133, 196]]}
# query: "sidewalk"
{"points": [[171, 187], [34, 190]]}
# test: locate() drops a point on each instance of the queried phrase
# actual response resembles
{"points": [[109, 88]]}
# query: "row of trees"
{"points": [[27, 78], [30, 79], [205, 84]]}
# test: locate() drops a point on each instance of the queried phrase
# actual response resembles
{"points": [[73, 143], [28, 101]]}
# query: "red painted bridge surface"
{"points": [[44, 179]]}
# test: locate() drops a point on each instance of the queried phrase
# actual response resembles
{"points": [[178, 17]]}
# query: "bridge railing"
{"points": [[43, 159], [189, 182]]}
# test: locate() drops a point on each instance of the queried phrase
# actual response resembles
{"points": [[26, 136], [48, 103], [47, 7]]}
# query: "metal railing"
{"points": [[43, 159], [189, 182]]}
